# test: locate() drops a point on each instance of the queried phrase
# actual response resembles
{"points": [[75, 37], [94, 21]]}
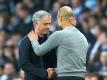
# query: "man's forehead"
{"points": [[46, 18]]}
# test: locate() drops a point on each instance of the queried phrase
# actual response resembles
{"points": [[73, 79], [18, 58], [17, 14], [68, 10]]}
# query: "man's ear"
{"points": [[61, 18], [34, 23]]}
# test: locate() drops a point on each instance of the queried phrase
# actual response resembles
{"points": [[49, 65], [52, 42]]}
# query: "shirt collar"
{"points": [[70, 27]]}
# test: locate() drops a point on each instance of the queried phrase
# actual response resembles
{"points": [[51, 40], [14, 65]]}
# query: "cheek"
{"points": [[46, 27], [58, 22], [41, 27]]}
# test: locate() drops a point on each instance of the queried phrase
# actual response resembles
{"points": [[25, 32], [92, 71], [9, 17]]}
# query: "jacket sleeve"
{"points": [[24, 61], [51, 43]]}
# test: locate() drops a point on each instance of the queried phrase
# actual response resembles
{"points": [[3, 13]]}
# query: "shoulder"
{"points": [[23, 41], [55, 36], [57, 33]]}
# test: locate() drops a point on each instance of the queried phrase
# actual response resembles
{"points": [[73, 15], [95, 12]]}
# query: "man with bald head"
{"points": [[71, 47]]}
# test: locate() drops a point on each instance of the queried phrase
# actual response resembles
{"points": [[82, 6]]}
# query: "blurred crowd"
{"points": [[16, 22]]}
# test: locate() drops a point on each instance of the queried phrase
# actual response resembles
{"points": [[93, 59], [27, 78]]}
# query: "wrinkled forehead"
{"points": [[46, 18]]}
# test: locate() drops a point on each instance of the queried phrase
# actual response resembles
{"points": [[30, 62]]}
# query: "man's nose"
{"points": [[48, 26]]}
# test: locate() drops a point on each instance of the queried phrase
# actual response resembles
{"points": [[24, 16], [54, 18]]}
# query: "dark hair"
{"points": [[1, 66], [24, 7], [94, 16], [92, 75], [103, 28], [85, 10]]}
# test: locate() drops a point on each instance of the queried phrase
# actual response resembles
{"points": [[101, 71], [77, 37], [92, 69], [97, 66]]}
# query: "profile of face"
{"points": [[103, 58], [44, 24], [9, 69], [75, 3], [21, 13], [59, 19], [103, 38], [92, 22], [56, 7]]}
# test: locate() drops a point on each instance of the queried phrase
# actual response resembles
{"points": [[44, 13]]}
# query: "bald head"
{"points": [[66, 17], [66, 12]]}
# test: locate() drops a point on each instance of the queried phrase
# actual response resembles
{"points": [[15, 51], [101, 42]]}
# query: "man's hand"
{"points": [[51, 72], [32, 36], [72, 20]]}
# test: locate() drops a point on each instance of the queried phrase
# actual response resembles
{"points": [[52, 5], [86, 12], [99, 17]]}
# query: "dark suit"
{"points": [[35, 67]]}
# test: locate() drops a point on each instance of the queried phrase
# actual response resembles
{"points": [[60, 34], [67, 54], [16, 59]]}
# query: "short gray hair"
{"points": [[39, 14]]}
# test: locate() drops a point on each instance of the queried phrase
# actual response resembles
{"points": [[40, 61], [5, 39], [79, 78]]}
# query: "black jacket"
{"points": [[35, 67]]}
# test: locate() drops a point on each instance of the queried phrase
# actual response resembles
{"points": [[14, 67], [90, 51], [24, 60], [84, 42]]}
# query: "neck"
{"points": [[38, 33], [66, 25]]}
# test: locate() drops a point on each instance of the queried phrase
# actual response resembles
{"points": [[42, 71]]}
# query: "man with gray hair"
{"points": [[35, 67]]}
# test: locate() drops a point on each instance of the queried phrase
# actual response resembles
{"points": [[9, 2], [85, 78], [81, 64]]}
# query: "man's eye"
{"points": [[47, 24]]}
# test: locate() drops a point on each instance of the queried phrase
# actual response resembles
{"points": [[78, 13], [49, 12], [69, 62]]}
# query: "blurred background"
{"points": [[16, 22]]}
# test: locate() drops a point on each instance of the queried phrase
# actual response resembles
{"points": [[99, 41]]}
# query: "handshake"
{"points": [[51, 72]]}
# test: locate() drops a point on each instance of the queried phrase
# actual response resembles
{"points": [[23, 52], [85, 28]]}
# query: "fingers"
{"points": [[72, 20], [51, 73], [33, 36], [51, 69], [30, 33]]}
